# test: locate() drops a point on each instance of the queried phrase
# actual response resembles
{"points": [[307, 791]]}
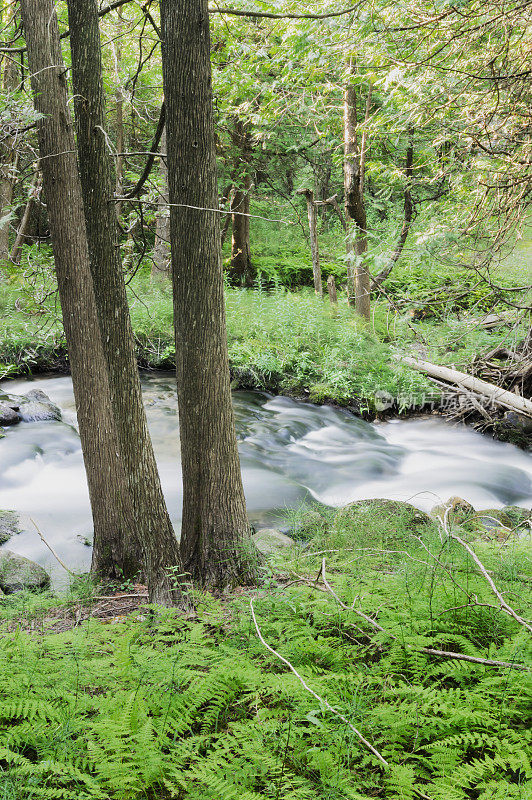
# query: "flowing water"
{"points": [[291, 453]]}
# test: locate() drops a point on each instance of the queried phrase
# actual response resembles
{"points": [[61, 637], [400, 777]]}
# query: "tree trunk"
{"points": [[314, 246], [153, 527], [8, 163], [241, 267], [114, 553], [22, 233], [331, 288], [407, 218], [355, 209], [215, 539], [161, 250]]}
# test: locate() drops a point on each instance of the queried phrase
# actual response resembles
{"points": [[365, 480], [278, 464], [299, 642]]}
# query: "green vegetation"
{"points": [[168, 706], [279, 340]]}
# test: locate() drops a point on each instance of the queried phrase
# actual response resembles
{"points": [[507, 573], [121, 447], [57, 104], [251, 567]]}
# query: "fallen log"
{"points": [[495, 394]]}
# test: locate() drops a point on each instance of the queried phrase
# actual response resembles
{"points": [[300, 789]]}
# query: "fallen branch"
{"points": [[313, 693], [495, 394], [52, 551], [488, 662], [504, 605]]}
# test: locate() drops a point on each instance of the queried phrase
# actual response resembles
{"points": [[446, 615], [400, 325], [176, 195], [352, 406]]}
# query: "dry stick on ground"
{"points": [[313, 693], [504, 605], [52, 551], [430, 651]]}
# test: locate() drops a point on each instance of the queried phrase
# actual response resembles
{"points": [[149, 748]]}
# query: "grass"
{"points": [[196, 708]]}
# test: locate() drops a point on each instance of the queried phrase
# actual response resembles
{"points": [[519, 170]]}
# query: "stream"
{"points": [[291, 453]]}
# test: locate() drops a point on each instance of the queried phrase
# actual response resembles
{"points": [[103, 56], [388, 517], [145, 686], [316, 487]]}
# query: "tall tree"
{"points": [[152, 522], [161, 250], [355, 206], [215, 530], [241, 268], [115, 552], [8, 151]]}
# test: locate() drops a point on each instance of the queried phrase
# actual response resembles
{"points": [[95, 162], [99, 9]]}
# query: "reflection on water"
{"points": [[291, 452]]}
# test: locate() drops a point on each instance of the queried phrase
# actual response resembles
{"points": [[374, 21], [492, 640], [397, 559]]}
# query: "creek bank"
{"points": [[157, 356]]}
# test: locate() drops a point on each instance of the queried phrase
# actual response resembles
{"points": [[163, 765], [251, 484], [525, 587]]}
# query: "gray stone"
{"points": [[9, 525], [36, 406], [8, 416], [269, 540], [18, 573]]}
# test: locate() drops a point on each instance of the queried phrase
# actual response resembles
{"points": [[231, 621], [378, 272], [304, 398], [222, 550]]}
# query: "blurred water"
{"points": [[291, 452]]}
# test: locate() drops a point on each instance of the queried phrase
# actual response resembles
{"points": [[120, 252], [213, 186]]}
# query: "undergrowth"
{"points": [[165, 706]]}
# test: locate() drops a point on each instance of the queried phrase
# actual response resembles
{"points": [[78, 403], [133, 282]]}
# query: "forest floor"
{"points": [[377, 623]]}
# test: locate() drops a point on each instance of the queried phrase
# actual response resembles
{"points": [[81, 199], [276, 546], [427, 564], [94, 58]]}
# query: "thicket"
{"points": [[161, 705]]}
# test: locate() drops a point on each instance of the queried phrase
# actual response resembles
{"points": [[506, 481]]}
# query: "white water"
{"points": [[291, 452]]}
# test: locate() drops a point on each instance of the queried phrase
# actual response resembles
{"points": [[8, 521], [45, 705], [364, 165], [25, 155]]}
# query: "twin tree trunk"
{"points": [[153, 529], [215, 538], [114, 550]]}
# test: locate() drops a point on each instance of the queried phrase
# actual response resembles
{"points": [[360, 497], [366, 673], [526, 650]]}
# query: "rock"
{"points": [[8, 416], [269, 540], [363, 511], [310, 524], [516, 429], [456, 510], [382, 524], [36, 406], [9, 525], [519, 517], [18, 573]]}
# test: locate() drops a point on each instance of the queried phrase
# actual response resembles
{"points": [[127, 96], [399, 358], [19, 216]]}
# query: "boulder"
{"points": [[18, 573], [516, 429], [269, 540], [456, 510], [36, 406], [310, 524], [8, 416], [382, 524], [519, 517], [9, 525]]}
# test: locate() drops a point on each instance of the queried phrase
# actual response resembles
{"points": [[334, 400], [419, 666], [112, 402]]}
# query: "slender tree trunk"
{"points": [[215, 539], [8, 163], [241, 267], [161, 250], [407, 218], [314, 245], [227, 197], [153, 526], [22, 233], [354, 204], [114, 553]]}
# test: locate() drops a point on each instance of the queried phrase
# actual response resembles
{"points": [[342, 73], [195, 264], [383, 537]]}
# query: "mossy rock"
{"points": [[382, 523], [9, 525], [309, 525], [519, 517], [18, 573], [269, 541], [455, 510], [488, 519]]}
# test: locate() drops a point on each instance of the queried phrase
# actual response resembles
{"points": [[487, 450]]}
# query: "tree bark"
{"points": [[8, 163], [161, 250], [241, 267], [215, 539], [314, 245], [358, 283], [331, 288], [114, 553], [22, 233], [152, 523]]}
